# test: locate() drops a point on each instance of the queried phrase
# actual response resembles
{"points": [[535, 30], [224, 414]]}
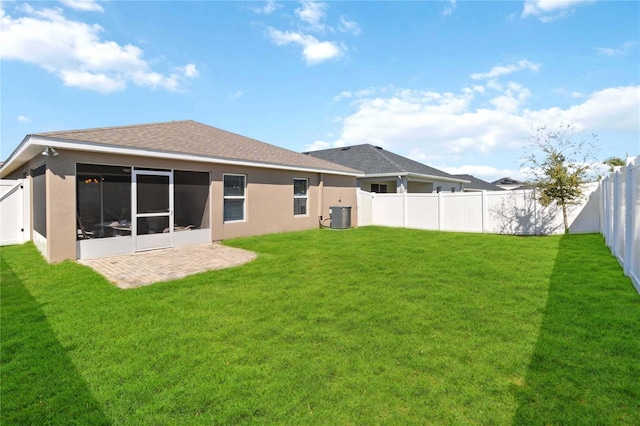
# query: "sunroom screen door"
{"points": [[152, 200]]}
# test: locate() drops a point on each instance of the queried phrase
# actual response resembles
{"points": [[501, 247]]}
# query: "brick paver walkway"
{"points": [[145, 268]]}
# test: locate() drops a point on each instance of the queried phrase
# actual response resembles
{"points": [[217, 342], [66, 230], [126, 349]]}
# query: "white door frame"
{"points": [[156, 241]]}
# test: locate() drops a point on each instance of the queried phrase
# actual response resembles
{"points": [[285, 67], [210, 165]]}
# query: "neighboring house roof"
{"points": [[476, 184], [508, 183], [175, 139], [375, 161]]}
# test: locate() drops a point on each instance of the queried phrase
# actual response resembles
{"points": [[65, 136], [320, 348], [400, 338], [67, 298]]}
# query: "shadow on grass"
{"points": [[40, 384], [585, 368]]}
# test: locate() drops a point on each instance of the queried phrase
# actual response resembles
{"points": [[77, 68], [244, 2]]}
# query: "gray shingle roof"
{"points": [[507, 181], [193, 138], [480, 184], [375, 160]]}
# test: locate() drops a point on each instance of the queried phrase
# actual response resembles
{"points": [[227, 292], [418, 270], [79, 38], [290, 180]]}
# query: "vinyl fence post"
{"points": [[601, 205], [440, 211], [405, 210], [629, 204], [610, 211], [616, 208], [484, 211], [536, 223]]}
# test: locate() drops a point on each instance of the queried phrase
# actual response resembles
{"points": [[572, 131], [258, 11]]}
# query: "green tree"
{"points": [[612, 162], [558, 163]]}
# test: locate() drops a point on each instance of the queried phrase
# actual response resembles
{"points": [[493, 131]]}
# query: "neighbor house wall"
{"points": [[446, 186], [365, 185], [413, 187], [269, 197], [420, 187]]}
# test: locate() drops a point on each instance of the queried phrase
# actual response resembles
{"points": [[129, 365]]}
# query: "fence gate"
{"points": [[14, 212]]}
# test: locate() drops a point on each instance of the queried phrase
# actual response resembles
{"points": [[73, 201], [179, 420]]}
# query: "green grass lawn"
{"points": [[364, 326]]}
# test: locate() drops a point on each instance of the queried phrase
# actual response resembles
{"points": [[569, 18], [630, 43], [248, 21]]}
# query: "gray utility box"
{"points": [[340, 217]]}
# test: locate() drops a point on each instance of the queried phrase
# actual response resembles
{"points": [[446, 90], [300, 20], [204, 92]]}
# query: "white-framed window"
{"points": [[380, 188], [300, 195], [234, 197]]}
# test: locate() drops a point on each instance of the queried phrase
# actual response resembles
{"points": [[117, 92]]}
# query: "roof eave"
{"points": [[42, 141], [24, 152], [418, 176], [439, 178]]}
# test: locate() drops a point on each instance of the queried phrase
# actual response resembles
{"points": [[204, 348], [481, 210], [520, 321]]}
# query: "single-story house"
{"points": [[477, 185], [116, 190], [386, 172]]}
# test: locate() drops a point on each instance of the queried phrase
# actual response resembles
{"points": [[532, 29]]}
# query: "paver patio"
{"points": [[149, 267]]}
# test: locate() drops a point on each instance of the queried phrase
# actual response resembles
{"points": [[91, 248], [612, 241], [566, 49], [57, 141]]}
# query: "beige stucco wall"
{"points": [[61, 207], [420, 187], [269, 197], [340, 191]]}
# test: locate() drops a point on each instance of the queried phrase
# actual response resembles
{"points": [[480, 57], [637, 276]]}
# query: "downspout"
{"points": [[320, 198]]}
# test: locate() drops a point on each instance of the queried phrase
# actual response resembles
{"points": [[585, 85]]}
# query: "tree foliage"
{"points": [[558, 162], [613, 162]]}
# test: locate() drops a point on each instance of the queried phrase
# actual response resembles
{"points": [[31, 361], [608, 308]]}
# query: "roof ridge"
{"points": [[382, 152], [109, 128]]}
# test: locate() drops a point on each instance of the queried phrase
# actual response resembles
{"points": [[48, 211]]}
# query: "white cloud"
{"points": [[317, 146], [511, 97], [445, 126], [349, 26], [500, 70], [190, 71], [86, 80], [550, 10], [618, 51], [22, 119], [360, 93], [313, 13], [612, 109], [83, 5], [343, 95], [74, 52], [236, 95], [564, 92], [269, 7], [448, 10], [313, 50]]}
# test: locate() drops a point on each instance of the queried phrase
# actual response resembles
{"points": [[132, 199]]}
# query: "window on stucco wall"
{"points": [[234, 197], [300, 191]]}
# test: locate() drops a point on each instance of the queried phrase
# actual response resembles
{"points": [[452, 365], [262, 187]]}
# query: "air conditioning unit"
{"points": [[340, 217]]}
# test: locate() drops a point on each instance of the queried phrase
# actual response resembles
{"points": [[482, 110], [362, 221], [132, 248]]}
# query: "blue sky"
{"points": [[454, 84]]}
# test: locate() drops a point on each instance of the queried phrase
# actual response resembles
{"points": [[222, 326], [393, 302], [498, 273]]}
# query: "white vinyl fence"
{"points": [[498, 212], [14, 211], [620, 217]]}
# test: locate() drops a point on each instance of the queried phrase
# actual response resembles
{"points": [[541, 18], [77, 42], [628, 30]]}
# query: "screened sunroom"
{"points": [[124, 209]]}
